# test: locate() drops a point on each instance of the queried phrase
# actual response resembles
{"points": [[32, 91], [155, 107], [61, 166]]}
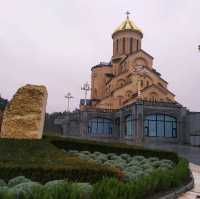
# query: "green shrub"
{"points": [[72, 152], [3, 191], [2, 183], [61, 190], [85, 190], [138, 158], [18, 180], [153, 159], [110, 163], [146, 166], [97, 153], [101, 158], [156, 164], [83, 156], [86, 152], [27, 190], [125, 156], [108, 189], [133, 163]]}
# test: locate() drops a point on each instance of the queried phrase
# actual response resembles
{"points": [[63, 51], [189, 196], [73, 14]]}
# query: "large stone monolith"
{"points": [[24, 115]]}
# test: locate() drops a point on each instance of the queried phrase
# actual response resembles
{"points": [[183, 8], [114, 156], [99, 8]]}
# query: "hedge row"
{"points": [[118, 148], [144, 187], [41, 161]]}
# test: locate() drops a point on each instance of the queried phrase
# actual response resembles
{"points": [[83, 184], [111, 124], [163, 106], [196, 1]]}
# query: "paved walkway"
{"points": [[195, 192], [190, 153]]}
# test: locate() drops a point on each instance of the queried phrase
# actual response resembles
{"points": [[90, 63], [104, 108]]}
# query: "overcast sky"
{"points": [[56, 43]]}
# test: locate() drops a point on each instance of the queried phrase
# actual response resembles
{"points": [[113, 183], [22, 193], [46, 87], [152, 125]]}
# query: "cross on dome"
{"points": [[128, 25], [127, 14]]}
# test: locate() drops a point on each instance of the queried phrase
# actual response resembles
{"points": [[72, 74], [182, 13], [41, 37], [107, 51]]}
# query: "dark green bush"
{"points": [[41, 161], [17, 180], [27, 190], [61, 190], [2, 183]]}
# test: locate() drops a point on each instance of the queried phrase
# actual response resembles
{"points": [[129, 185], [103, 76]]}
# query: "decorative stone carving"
{"points": [[24, 115]]}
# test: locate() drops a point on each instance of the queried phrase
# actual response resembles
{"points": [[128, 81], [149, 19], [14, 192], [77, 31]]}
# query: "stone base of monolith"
{"points": [[24, 115]]}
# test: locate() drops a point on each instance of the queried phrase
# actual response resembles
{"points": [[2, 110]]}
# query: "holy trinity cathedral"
{"points": [[130, 100], [130, 74]]}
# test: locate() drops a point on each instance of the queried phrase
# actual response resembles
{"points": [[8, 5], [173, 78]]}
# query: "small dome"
{"points": [[127, 25]]}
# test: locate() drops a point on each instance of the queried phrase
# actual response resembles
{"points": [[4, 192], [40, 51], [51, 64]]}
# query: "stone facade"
{"points": [[25, 113], [78, 123]]}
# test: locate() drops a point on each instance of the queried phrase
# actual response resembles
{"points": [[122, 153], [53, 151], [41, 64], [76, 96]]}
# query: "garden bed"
{"points": [[106, 170], [41, 161]]}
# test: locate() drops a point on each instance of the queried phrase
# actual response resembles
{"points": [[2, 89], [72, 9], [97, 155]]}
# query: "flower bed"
{"points": [[133, 167]]}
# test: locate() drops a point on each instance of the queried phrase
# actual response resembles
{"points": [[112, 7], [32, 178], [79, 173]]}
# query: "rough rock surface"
{"points": [[24, 115]]}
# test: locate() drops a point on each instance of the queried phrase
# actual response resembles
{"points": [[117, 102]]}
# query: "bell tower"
{"points": [[126, 38]]}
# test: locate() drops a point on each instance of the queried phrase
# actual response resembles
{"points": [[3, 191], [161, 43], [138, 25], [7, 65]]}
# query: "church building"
{"points": [[129, 99], [130, 74]]}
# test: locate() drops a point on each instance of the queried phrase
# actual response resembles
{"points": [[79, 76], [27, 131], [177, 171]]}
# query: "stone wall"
{"points": [[24, 115], [188, 123], [193, 127]]}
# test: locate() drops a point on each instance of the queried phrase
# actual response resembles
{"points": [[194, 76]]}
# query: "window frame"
{"points": [[173, 123], [101, 123]]}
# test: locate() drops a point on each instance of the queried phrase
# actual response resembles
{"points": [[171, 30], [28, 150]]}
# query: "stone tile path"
{"points": [[195, 192]]}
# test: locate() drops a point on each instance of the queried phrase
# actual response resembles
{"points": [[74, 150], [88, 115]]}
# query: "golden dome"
{"points": [[127, 25]]}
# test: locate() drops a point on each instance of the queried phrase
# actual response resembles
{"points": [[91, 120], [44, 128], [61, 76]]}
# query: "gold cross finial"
{"points": [[127, 13]]}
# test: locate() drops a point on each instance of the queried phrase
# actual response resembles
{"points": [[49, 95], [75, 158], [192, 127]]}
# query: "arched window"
{"points": [[159, 125], [100, 126], [131, 45], [129, 126], [124, 44], [117, 46], [147, 83]]}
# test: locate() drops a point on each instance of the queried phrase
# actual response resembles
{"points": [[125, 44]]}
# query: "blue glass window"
{"points": [[129, 126], [152, 128], [100, 126], [160, 125]]}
